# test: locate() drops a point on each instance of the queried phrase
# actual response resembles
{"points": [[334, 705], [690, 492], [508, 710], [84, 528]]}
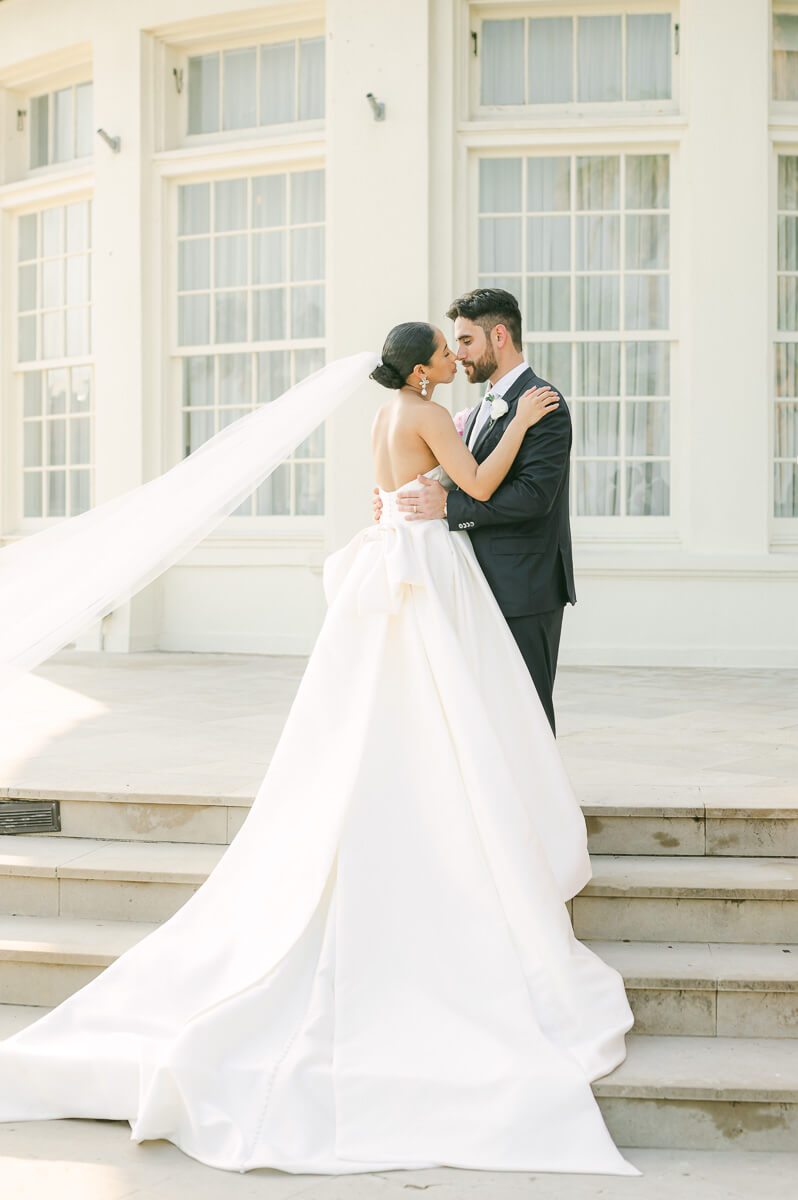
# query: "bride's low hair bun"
{"points": [[387, 375], [406, 346]]}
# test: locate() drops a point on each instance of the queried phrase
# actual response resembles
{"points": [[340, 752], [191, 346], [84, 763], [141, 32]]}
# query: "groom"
{"points": [[522, 535]]}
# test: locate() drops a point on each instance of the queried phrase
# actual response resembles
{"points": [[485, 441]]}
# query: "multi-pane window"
{"points": [[595, 59], [785, 56], [61, 125], [785, 424], [220, 388], [56, 433], [53, 346], [583, 242], [248, 86], [251, 314], [54, 283]]}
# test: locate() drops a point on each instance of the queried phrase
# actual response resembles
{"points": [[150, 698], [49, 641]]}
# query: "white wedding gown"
{"points": [[381, 971]]}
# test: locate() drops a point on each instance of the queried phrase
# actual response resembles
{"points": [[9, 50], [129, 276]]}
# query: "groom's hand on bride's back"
{"points": [[376, 505], [426, 505]]}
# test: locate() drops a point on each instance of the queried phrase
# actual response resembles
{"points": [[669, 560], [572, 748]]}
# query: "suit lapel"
{"points": [[469, 425], [522, 384]]}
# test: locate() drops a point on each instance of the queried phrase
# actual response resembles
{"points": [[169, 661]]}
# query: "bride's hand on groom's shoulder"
{"points": [[535, 404]]}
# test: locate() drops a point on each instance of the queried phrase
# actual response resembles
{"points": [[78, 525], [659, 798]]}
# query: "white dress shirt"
{"points": [[499, 388]]}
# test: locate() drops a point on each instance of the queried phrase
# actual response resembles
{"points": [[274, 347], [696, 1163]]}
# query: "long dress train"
{"points": [[381, 971]]}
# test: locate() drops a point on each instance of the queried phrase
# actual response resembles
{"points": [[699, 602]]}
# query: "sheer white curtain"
{"points": [[648, 56], [599, 59], [550, 60], [502, 56], [240, 88], [785, 56], [277, 83], [203, 93], [311, 79]]}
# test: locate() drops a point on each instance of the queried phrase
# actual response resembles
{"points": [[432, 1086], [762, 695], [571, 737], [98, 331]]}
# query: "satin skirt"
{"points": [[380, 972]]}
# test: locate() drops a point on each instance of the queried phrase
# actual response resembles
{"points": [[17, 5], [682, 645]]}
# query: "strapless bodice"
{"points": [[391, 514]]}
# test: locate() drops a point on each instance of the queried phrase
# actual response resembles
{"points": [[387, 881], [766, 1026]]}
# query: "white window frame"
{"points": [[17, 200], [50, 93], [786, 111], [173, 132], [604, 111], [608, 531], [176, 170], [783, 530]]}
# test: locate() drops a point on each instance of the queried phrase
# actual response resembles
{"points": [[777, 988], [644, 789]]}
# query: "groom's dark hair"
{"points": [[489, 307]]}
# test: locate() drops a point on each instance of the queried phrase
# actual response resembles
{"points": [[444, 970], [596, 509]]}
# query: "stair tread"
{"points": [[688, 801], [706, 1068], [88, 858], [76, 940], [685, 876], [691, 801], [743, 1069], [726, 965], [729, 966]]}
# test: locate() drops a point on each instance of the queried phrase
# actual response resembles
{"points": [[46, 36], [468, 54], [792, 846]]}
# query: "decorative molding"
{"points": [[289, 147], [52, 185]]}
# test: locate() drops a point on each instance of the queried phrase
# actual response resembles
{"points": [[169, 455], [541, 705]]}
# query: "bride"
{"points": [[380, 972]]}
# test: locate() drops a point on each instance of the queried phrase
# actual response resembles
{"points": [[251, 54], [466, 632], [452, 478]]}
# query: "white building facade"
{"points": [[629, 171]]}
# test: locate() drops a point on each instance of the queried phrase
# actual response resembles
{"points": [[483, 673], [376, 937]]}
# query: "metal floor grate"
{"points": [[30, 816]]}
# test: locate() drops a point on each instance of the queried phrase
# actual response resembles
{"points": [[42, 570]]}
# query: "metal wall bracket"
{"points": [[114, 142], [377, 107]]}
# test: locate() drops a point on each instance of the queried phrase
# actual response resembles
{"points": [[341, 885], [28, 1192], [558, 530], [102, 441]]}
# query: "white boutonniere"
{"points": [[498, 407]]}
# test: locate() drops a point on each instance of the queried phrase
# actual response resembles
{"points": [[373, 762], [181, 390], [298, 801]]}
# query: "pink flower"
{"points": [[460, 420]]}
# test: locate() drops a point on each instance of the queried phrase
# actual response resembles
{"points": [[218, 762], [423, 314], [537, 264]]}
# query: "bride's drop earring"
{"points": [[424, 382]]}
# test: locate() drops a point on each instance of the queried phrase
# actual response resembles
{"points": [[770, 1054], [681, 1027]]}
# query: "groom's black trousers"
{"points": [[538, 638]]}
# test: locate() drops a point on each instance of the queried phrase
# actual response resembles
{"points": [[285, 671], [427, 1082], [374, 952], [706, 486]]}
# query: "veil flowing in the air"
{"points": [[57, 583]]}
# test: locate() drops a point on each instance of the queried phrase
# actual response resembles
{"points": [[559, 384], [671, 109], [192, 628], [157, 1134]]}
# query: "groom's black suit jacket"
{"points": [[522, 535]]}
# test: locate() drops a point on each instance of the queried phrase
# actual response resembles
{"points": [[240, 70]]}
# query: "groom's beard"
{"points": [[481, 368]]}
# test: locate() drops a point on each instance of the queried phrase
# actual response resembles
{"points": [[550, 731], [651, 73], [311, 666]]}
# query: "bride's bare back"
{"points": [[400, 453]]}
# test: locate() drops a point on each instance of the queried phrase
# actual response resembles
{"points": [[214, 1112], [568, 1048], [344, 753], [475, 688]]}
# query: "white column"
{"points": [[726, 280], [378, 214], [119, 254]]}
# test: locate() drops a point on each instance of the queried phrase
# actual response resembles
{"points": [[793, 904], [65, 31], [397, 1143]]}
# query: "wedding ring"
{"points": [[415, 508]]}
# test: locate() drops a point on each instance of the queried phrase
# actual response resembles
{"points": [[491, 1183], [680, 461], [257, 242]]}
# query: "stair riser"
{"points": [[110, 820], [697, 1012], [624, 834], [694, 836], [688, 1012], [108, 899], [214, 824], [662, 918], [670, 1124], [42, 983]]}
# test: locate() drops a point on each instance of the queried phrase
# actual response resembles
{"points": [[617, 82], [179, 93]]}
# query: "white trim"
{"points": [[305, 146], [50, 71], [35, 191], [268, 15]]}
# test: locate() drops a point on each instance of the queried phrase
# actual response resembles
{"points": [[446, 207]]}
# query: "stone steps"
{"points": [[630, 897], [667, 822], [704, 1093], [701, 989], [688, 989], [45, 959], [645, 898], [683, 1093], [53, 876]]}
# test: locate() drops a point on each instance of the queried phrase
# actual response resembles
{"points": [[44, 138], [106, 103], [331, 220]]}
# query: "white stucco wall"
{"points": [[715, 584]]}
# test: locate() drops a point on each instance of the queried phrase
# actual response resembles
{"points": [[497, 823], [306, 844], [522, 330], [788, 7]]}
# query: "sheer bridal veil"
{"points": [[57, 583]]}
